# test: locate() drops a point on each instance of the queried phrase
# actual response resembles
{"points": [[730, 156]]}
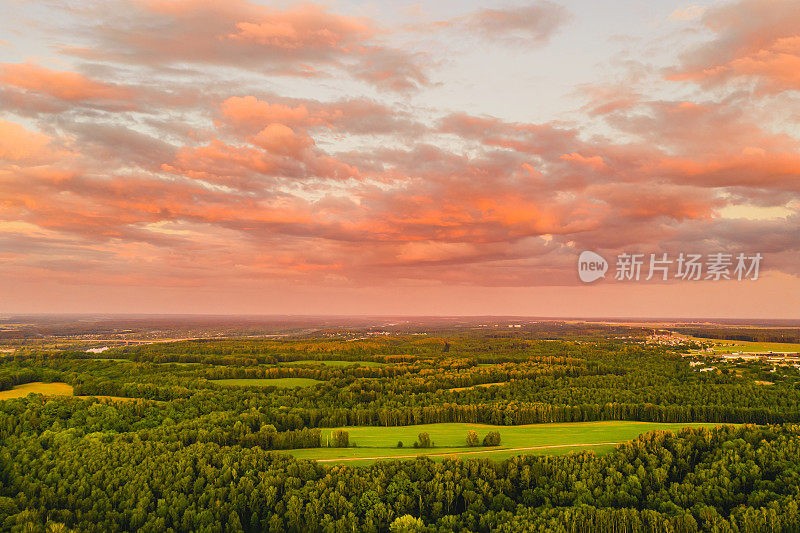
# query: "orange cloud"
{"points": [[20, 144], [304, 40], [278, 153], [249, 114], [250, 109], [595, 162], [64, 85], [280, 139], [754, 42], [306, 26]]}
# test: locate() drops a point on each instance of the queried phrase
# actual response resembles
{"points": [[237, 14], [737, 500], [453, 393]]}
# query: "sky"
{"points": [[399, 158]]}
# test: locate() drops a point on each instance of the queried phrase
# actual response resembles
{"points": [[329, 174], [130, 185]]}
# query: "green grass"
{"points": [[449, 438], [724, 346], [330, 363], [283, 383]]}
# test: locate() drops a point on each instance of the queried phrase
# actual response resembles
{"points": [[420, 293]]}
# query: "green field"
{"points": [[283, 383], [449, 439], [330, 363], [724, 346]]}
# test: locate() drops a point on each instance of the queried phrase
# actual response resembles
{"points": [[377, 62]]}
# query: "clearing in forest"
{"points": [[726, 346], [374, 443], [55, 388]]}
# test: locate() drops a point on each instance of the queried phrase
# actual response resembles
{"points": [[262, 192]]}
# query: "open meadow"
{"points": [[727, 346], [374, 443]]}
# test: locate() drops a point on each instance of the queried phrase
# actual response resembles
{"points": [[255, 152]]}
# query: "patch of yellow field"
{"points": [[40, 387], [51, 389]]}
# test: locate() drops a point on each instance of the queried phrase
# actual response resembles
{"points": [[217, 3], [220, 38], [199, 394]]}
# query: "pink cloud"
{"points": [[531, 24], [63, 85], [248, 114], [20, 144], [301, 40], [754, 42], [304, 27], [250, 109], [595, 162]]}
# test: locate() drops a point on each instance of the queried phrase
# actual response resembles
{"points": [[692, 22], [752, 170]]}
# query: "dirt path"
{"points": [[462, 453]]}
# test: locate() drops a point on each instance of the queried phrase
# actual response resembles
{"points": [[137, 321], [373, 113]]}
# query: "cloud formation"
{"points": [[756, 41], [530, 24], [303, 40], [171, 153]]}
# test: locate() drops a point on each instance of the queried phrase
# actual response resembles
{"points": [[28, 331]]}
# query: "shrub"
{"points": [[473, 439], [492, 439]]}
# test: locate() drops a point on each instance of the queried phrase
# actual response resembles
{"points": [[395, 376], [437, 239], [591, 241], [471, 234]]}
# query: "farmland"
{"points": [[726, 346], [37, 387], [449, 438], [735, 345], [48, 389]]}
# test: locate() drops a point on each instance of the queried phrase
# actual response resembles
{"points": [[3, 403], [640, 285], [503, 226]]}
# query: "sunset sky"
{"points": [[448, 157]]}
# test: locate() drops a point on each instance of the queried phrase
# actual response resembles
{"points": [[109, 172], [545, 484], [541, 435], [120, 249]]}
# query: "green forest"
{"points": [[151, 440]]}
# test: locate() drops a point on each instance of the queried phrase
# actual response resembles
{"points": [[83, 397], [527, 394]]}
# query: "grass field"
{"points": [[544, 439], [330, 363], [39, 387], [50, 389], [723, 346], [283, 383]]}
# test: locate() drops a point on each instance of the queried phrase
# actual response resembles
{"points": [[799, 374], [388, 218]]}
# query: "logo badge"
{"points": [[591, 266]]}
